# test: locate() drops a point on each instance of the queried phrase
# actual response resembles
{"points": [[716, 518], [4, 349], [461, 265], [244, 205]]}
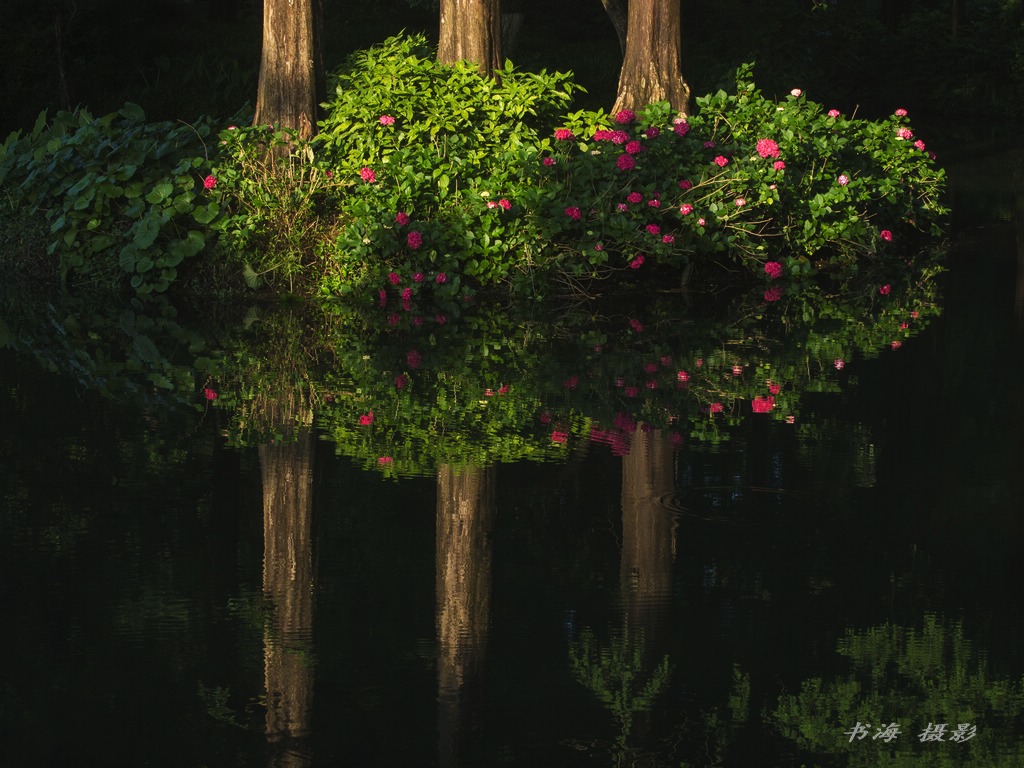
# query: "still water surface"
{"points": [[646, 600]]}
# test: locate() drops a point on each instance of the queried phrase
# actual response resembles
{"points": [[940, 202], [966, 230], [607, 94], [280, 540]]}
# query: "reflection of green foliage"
{"points": [[617, 674], [215, 700], [912, 677]]}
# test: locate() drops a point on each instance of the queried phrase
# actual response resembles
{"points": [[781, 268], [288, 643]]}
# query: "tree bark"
{"points": [[618, 12], [471, 31], [291, 84], [652, 65]]}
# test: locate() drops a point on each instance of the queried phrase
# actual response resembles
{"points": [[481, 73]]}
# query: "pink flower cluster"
{"points": [[563, 134], [387, 120], [721, 161], [767, 148], [210, 182], [625, 162], [573, 213], [414, 239], [367, 175], [761, 404], [773, 269], [625, 117], [681, 127]]}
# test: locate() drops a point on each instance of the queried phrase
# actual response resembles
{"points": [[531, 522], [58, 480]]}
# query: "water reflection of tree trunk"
{"points": [[465, 514], [287, 471], [648, 530], [1019, 302]]}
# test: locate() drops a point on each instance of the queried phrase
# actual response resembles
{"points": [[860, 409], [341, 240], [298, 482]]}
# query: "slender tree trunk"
{"points": [[60, 24], [618, 12], [652, 65], [471, 31], [291, 68]]}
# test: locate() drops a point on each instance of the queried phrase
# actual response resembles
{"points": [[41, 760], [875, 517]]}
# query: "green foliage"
{"points": [[120, 195], [744, 181], [449, 148]]}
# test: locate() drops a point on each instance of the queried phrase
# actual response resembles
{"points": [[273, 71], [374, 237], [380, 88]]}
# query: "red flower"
{"points": [[625, 163], [366, 419], [559, 437], [367, 175], [884, 289], [210, 182], [762, 404], [211, 394]]}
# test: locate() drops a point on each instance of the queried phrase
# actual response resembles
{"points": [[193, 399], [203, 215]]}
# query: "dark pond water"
{"points": [[193, 582]]}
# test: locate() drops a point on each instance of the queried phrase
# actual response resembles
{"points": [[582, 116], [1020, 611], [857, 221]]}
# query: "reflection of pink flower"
{"points": [[440, 319], [651, 384], [773, 294], [682, 376], [884, 289], [503, 389], [762, 404], [210, 394], [384, 460], [632, 391], [545, 418], [413, 359], [407, 294], [668, 239], [366, 419], [401, 381], [651, 367], [839, 363], [571, 382], [897, 344], [636, 325], [558, 436], [393, 318]]}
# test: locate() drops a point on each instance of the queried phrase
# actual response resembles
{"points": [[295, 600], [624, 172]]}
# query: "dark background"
{"points": [[957, 65]]}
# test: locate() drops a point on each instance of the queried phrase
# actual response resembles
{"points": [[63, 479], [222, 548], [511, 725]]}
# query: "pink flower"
{"points": [[637, 262], [625, 117], [417, 277], [774, 389], [636, 325], [367, 175], [414, 239], [632, 391], [602, 135], [625, 163], [773, 294], [545, 418], [833, 113], [686, 209], [773, 269], [767, 148], [721, 161], [740, 202], [896, 344], [685, 184], [919, 145], [599, 247], [394, 278], [562, 134], [622, 207], [210, 182], [387, 120], [417, 321], [402, 218], [572, 382], [558, 436], [406, 294], [778, 165], [650, 368], [653, 229], [413, 359], [620, 382], [796, 93], [492, 204], [668, 239], [843, 180], [915, 314], [904, 325], [886, 235], [634, 147], [715, 408], [504, 203], [904, 133], [682, 376], [701, 222], [653, 132], [440, 319], [681, 127], [441, 278], [709, 144], [549, 161], [383, 297], [366, 419], [401, 381], [210, 394], [394, 318], [885, 289], [762, 404], [573, 213], [651, 384], [900, 112], [619, 137], [737, 369], [839, 363], [635, 197]]}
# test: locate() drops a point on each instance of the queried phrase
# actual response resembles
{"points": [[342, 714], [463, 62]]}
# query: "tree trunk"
{"points": [[471, 31], [618, 12], [652, 65], [291, 84]]}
